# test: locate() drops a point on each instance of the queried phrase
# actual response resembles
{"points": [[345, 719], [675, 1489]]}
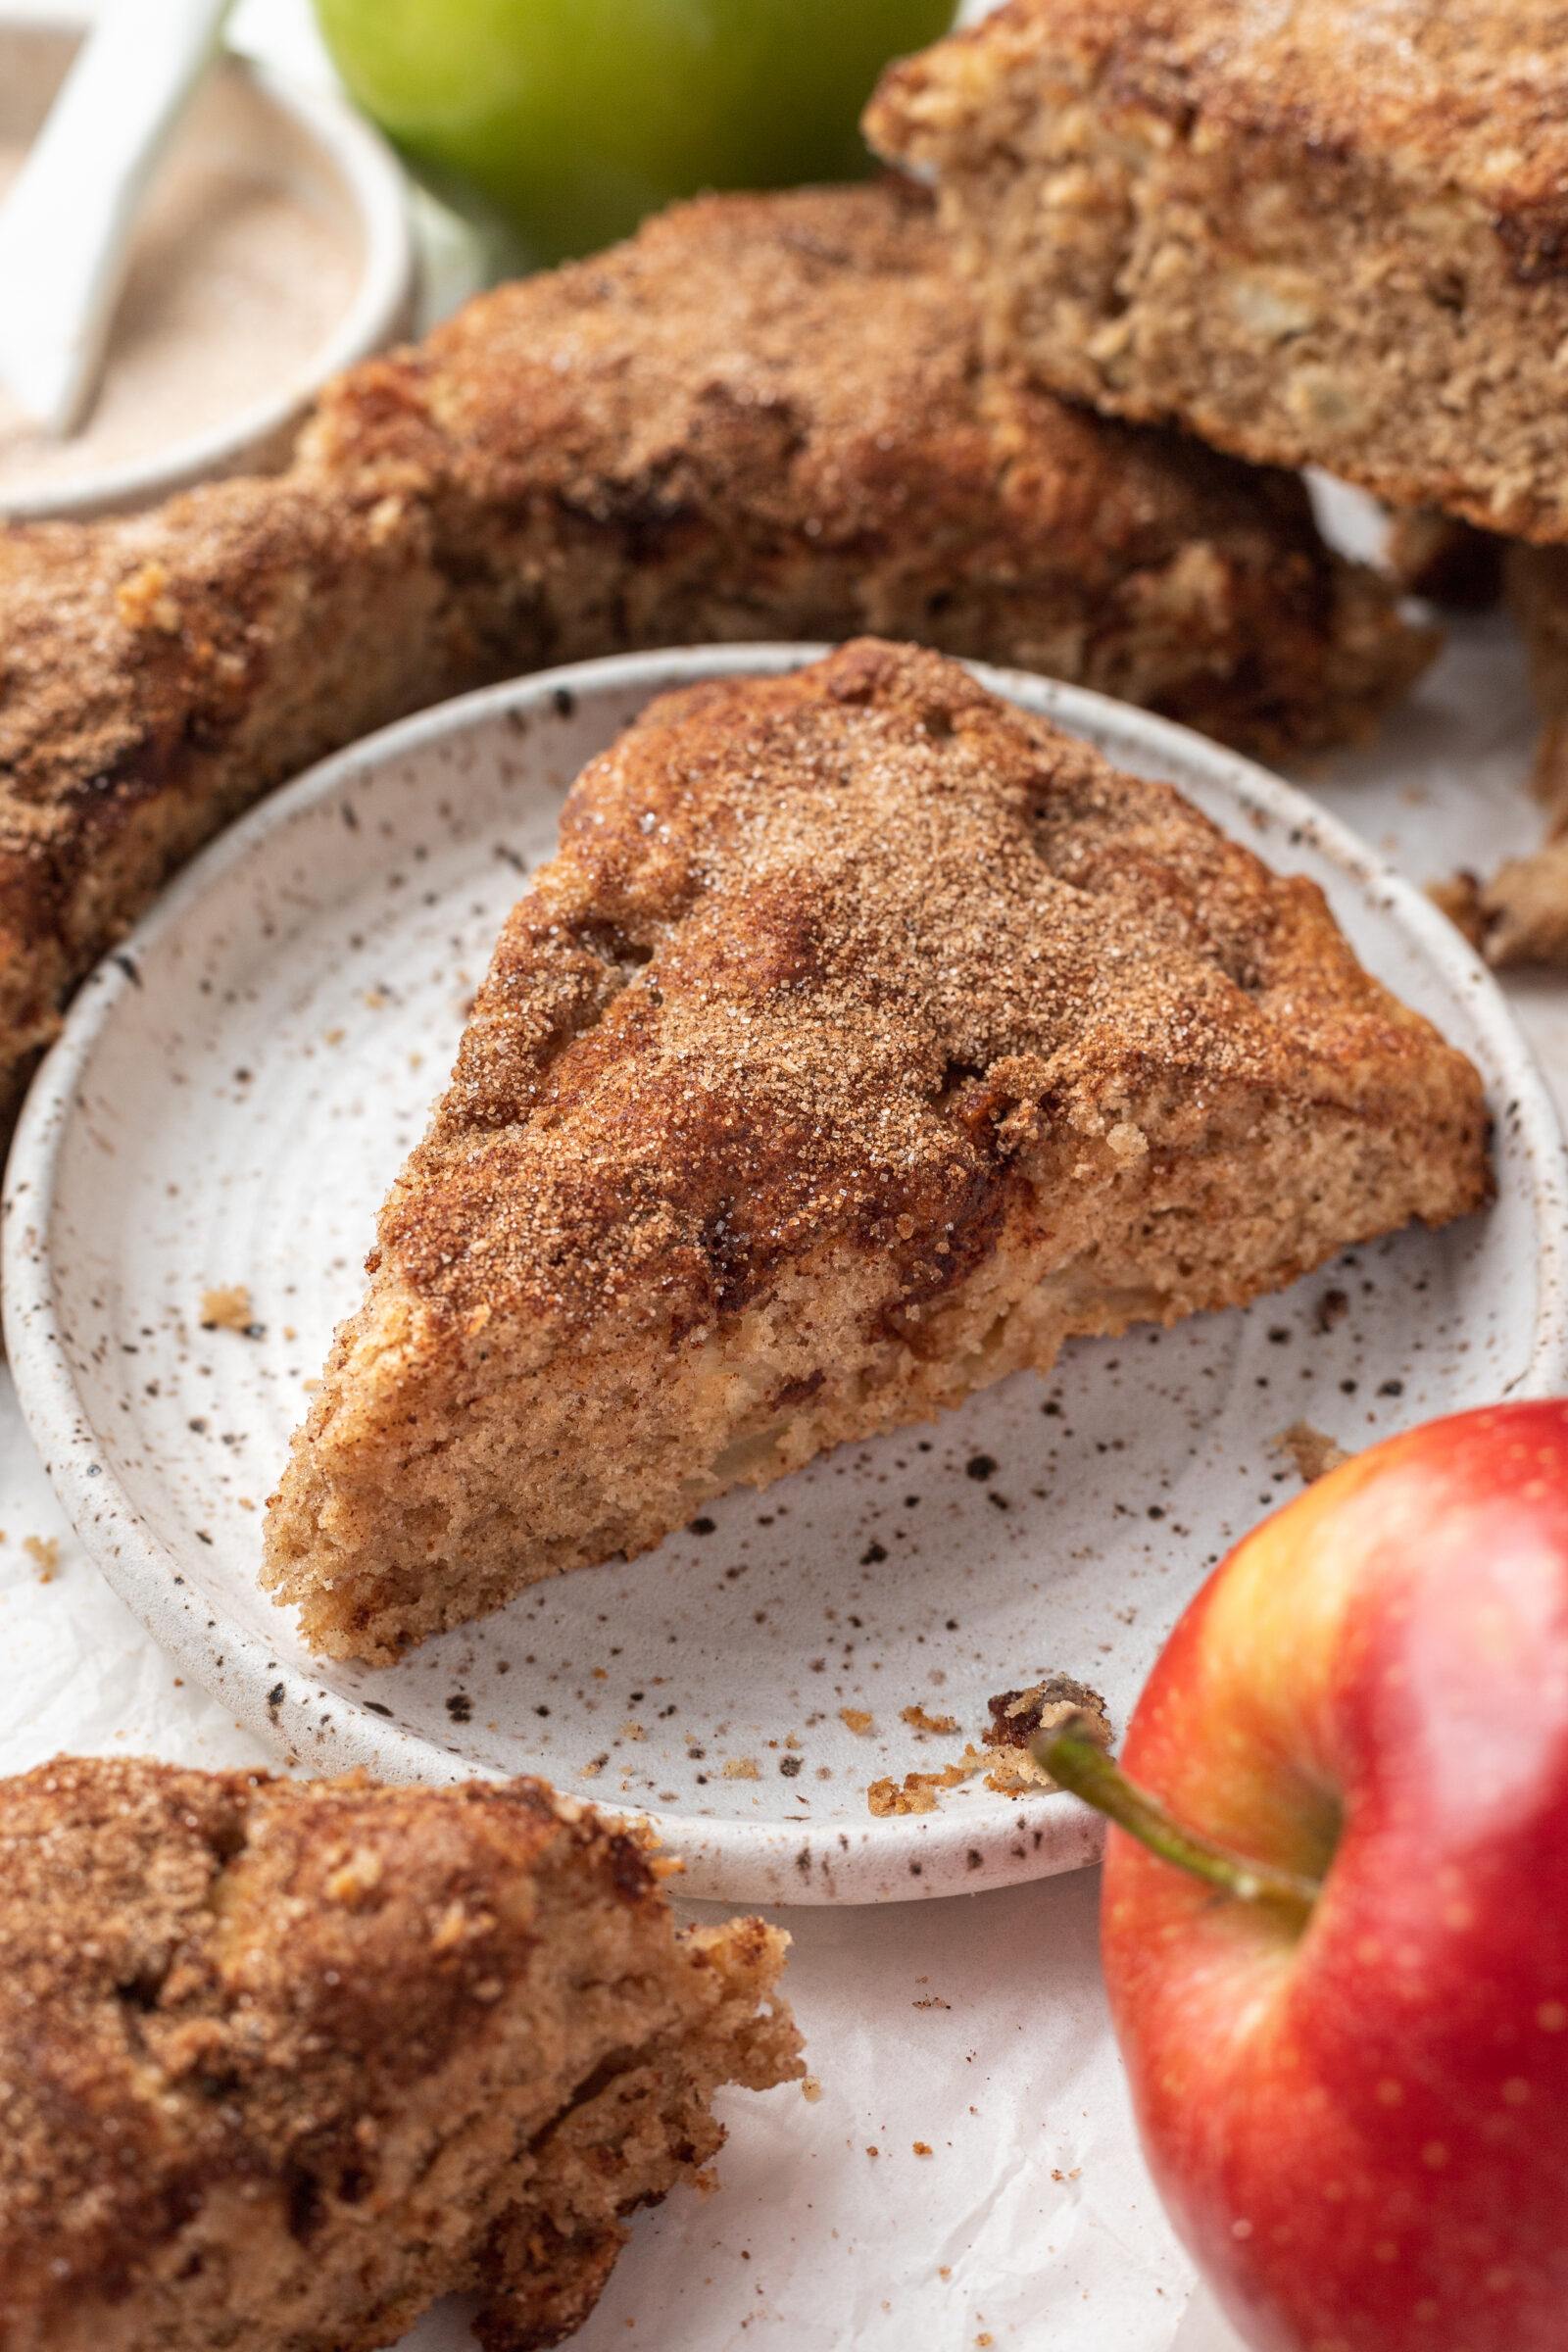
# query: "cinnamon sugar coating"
{"points": [[283, 2062], [1470, 91], [866, 1037], [1308, 231], [765, 417]]}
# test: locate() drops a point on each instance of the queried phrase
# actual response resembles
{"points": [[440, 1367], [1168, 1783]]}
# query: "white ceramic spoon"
{"points": [[67, 224]]}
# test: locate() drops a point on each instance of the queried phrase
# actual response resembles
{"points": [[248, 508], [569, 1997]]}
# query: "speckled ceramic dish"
{"points": [[260, 130], [233, 1092]]}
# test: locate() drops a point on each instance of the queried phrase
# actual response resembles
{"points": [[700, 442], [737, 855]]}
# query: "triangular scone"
{"points": [[865, 1038]]}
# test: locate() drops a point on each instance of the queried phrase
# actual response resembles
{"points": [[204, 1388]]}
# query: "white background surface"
{"points": [[976, 2026]]}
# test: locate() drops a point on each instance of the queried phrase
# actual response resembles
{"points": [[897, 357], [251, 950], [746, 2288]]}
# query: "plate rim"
{"points": [[901, 1858]]}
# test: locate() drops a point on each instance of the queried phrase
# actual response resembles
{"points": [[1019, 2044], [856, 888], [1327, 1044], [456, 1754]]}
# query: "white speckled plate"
{"points": [[233, 1092]]}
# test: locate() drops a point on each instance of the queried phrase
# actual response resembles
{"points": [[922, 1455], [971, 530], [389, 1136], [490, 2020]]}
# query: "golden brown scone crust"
{"points": [[763, 417], [865, 1037], [1311, 230], [1470, 92], [283, 2062]]}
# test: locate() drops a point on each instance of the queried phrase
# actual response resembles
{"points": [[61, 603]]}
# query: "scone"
{"points": [[765, 417], [1308, 231], [283, 2062], [865, 1038]]}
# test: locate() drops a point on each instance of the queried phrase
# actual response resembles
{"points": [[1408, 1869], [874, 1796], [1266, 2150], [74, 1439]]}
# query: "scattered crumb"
{"points": [[44, 1551], [666, 1866], [922, 1722], [631, 1728], [1314, 1453], [885, 1797], [227, 1309], [945, 2270], [332, 1037], [289, 1331], [740, 1768], [245, 1502], [918, 1793], [934, 2002], [920, 2149], [811, 2089], [1459, 898], [590, 1771], [1018, 1716], [859, 1719], [374, 999], [873, 2151]]}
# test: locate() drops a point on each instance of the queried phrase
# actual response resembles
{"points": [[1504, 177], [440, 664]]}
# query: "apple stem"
{"points": [[1077, 1761]]}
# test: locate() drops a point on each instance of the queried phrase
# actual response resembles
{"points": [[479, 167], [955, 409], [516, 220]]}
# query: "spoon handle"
{"points": [[67, 224]]}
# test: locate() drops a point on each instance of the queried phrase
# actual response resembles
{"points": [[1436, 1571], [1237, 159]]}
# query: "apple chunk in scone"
{"points": [[866, 1039]]}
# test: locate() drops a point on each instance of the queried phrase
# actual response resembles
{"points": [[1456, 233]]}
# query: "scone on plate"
{"points": [[283, 2062], [763, 416], [1312, 231], [865, 1038]]}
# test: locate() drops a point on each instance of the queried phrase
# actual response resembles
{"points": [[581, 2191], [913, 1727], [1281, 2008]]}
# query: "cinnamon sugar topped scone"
{"points": [[283, 2062], [764, 416], [866, 1038], [1306, 230]]}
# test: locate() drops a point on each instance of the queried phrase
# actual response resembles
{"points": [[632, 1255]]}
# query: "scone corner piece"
{"points": [[1322, 234], [866, 1038], [288, 2061]]}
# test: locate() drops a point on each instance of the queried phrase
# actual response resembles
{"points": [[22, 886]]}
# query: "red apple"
{"points": [[1355, 2101]]}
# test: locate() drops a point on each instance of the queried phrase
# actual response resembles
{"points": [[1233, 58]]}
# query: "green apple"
{"points": [[572, 118]]}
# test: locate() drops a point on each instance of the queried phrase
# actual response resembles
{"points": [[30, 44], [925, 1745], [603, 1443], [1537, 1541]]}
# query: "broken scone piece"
{"points": [[866, 1039], [286, 2061], [1310, 232], [1019, 1716]]}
